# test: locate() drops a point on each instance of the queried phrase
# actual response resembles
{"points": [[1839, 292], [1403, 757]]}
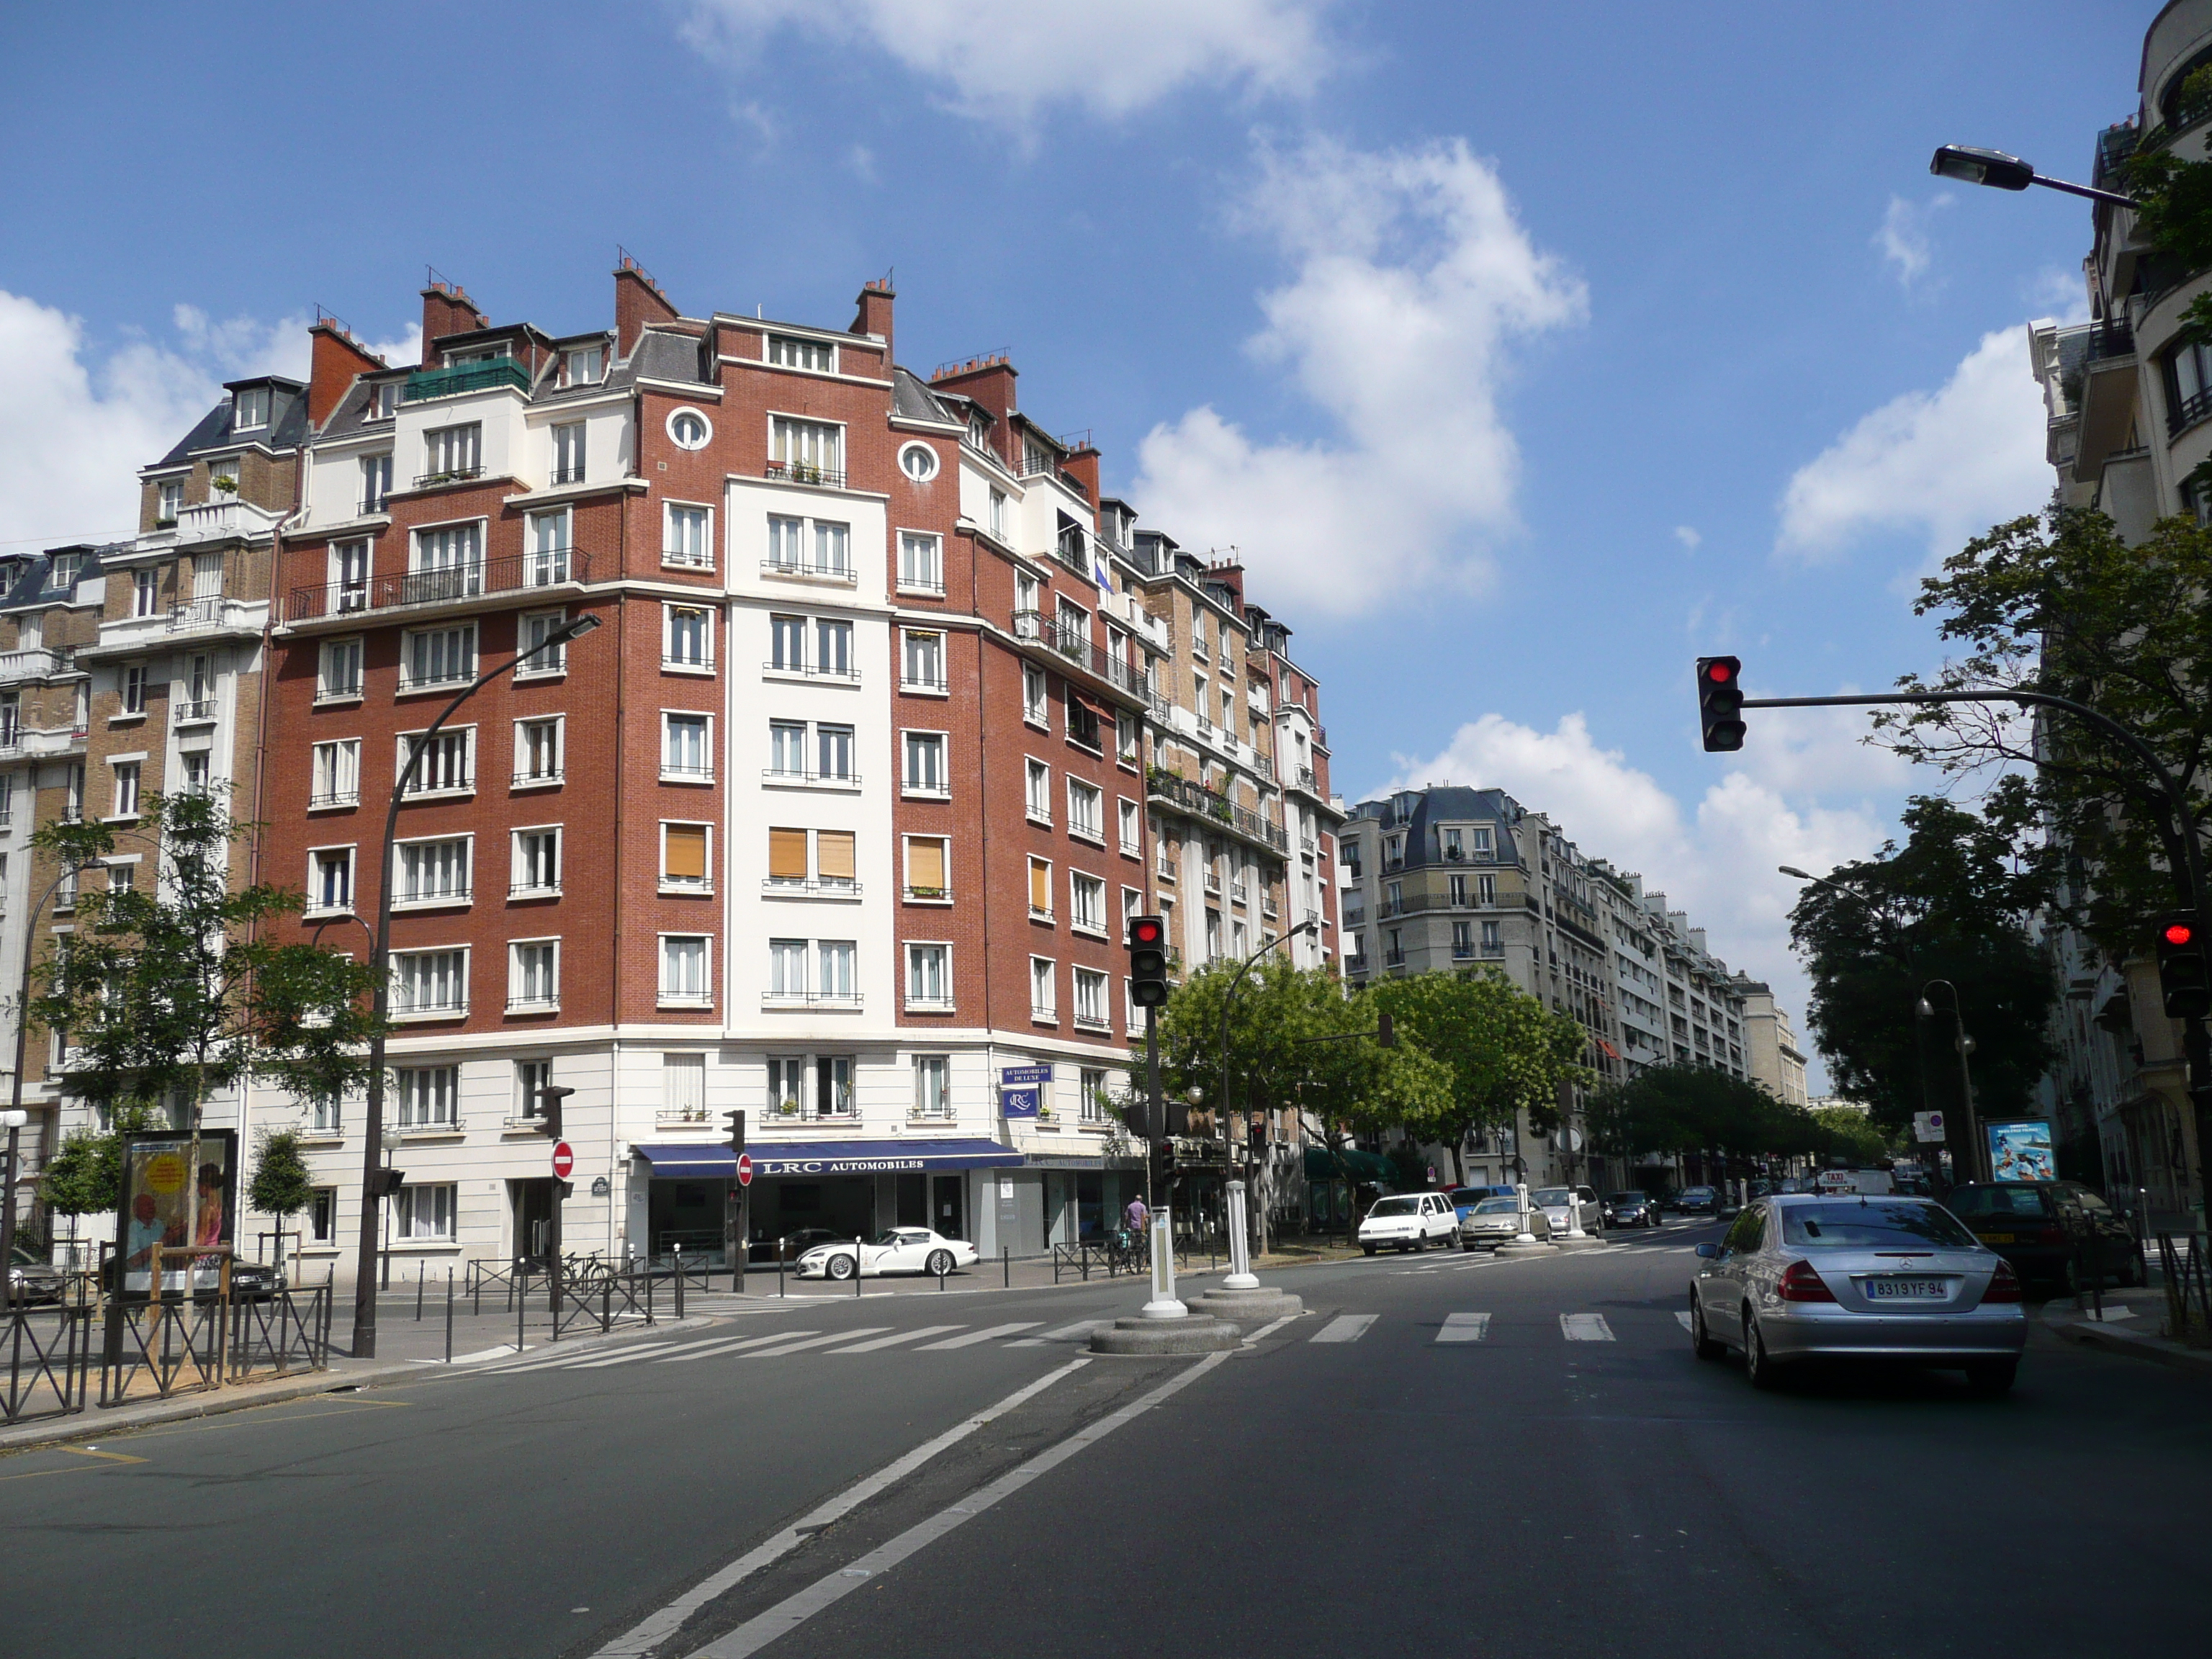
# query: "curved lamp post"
{"points": [[1971, 164], [372, 1183], [1965, 1044]]}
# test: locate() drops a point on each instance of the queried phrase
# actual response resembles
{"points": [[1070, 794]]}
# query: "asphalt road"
{"points": [[1573, 1481]]}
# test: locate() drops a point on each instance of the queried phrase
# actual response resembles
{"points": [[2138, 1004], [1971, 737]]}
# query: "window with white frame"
{"points": [[690, 538], [928, 976], [787, 1085], [787, 543], [145, 593], [926, 772], [1127, 739], [786, 749], [923, 667], [349, 575], [583, 365], [684, 1088], [568, 452], [833, 648], [537, 758], [688, 430], [928, 868], [434, 873], [1132, 828], [335, 769], [545, 556], [833, 1085], [1090, 999], [787, 969], [921, 563], [918, 462], [337, 675], [533, 974], [833, 963], [686, 755], [452, 452], [1036, 707], [686, 861], [1037, 795], [684, 968], [787, 643], [325, 1114], [447, 764], [438, 656], [448, 564], [1040, 889], [1086, 902], [1133, 906], [1028, 592], [330, 879], [430, 981], [169, 500], [535, 870], [1044, 1002], [430, 1096], [1090, 1094], [788, 351], [125, 800], [425, 1214], [383, 401], [531, 1076], [996, 523], [833, 745], [532, 631], [375, 482], [1086, 810], [122, 874], [932, 1085], [807, 452], [250, 406]]}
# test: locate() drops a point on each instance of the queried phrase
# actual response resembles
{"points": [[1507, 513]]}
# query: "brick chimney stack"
{"points": [[337, 358], [638, 302], [447, 309], [1082, 465], [873, 315], [990, 382]]}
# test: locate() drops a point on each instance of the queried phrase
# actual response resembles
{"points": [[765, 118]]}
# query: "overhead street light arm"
{"points": [[1971, 164]]}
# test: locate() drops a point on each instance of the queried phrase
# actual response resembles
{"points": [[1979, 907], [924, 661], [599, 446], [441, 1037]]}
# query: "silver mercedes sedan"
{"points": [[1800, 1277]]}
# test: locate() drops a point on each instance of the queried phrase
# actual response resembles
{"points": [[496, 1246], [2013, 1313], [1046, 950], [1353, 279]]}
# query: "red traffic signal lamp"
{"points": [[1148, 961], [2184, 976], [1720, 703]]}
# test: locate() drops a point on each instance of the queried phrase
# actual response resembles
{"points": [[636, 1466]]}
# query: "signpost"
{"points": [[564, 1160], [1927, 1126], [745, 1168]]}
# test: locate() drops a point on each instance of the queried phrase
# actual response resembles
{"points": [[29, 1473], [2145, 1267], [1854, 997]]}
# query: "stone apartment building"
{"points": [[1770, 1044]]}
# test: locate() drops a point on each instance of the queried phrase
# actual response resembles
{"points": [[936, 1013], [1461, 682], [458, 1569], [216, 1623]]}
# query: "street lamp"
{"points": [[1965, 1045], [1971, 164], [1240, 1276], [364, 1287]]}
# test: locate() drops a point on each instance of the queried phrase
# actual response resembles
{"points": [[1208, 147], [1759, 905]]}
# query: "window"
{"points": [[835, 747], [583, 365], [323, 1202], [788, 352], [425, 1213], [1038, 794], [807, 452], [438, 656], [383, 401], [250, 407], [1492, 945], [337, 773], [1090, 999], [928, 861], [530, 634], [833, 961], [688, 430], [1453, 847], [833, 550], [684, 857], [1086, 902], [921, 563], [996, 524], [691, 637], [568, 452], [1462, 938], [451, 453], [787, 865], [330, 879], [349, 575], [430, 982], [1198, 633], [1040, 889], [533, 974], [434, 871], [447, 761], [1482, 844], [925, 762], [835, 860], [787, 1086], [928, 976], [375, 482], [11, 719], [1126, 738], [1486, 889], [338, 671], [684, 1088], [1132, 829], [538, 751], [924, 667], [7, 817], [1043, 1001], [786, 637], [1091, 1095], [448, 564], [126, 788], [545, 561], [786, 749], [833, 648], [145, 593], [1036, 708], [1086, 807], [536, 857], [1026, 592], [787, 543], [690, 540], [684, 754], [786, 968], [918, 462], [933, 1091], [684, 968], [169, 500]]}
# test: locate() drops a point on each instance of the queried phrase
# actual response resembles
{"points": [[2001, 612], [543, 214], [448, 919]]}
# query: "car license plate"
{"points": [[1904, 1290], [1995, 1238]]}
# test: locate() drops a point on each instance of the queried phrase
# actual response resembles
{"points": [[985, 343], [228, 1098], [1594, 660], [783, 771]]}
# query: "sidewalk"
{"points": [[2133, 1324]]}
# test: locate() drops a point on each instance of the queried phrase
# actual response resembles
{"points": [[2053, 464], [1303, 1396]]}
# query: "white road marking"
{"points": [[1464, 1328], [985, 1335], [1081, 1329], [1345, 1327], [1585, 1327], [814, 1341], [1682, 1319], [896, 1338], [644, 1637], [710, 1352]]}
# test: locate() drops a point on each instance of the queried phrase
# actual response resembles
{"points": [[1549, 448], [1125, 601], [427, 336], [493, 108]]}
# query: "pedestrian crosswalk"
{"points": [[1346, 1328], [1464, 1328], [1469, 1328]]}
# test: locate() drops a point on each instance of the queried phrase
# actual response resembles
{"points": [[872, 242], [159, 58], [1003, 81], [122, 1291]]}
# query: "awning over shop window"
{"points": [[700, 1161], [1370, 1167]]}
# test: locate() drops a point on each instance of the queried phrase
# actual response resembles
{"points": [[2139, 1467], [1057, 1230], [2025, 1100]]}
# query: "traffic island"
{"points": [[1577, 1242], [1193, 1333], [1522, 1248], [1257, 1304]]}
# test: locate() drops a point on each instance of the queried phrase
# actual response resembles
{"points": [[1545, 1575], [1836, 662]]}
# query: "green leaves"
{"points": [[281, 1184], [1697, 1109]]}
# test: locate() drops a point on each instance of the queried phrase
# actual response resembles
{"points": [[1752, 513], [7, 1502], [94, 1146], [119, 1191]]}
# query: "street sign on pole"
{"points": [[564, 1160], [745, 1168], [1927, 1126]]}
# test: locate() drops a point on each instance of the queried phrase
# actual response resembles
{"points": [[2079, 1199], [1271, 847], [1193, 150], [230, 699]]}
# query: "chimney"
{"points": [[446, 309], [874, 315], [990, 381], [1697, 940], [638, 302], [1082, 465], [337, 359]]}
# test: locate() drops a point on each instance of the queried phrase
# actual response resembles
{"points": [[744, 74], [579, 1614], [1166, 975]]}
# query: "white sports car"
{"points": [[902, 1250]]}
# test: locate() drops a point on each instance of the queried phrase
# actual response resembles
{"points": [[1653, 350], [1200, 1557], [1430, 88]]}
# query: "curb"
{"points": [[2158, 1350]]}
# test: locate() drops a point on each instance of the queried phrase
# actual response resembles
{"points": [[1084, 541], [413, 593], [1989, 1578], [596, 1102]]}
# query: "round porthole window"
{"points": [[688, 430], [918, 462]]}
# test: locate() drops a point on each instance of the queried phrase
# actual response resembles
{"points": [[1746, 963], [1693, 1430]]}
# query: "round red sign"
{"points": [[745, 1168], [564, 1160]]}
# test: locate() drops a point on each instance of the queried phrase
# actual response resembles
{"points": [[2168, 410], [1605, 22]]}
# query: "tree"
{"points": [[169, 992], [1697, 1108], [1952, 903], [2173, 211], [85, 1175], [282, 1185], [1850, 1136]]}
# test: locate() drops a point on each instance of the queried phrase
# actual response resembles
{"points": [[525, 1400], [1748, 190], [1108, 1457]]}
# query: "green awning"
{"points": [[1369, 1167]]}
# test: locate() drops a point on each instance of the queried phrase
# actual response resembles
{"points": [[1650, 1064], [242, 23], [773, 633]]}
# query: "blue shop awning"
{"points": [[695, 1161]]}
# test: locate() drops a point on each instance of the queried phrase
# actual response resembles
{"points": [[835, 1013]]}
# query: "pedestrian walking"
{"points": [[1137, 1218]]}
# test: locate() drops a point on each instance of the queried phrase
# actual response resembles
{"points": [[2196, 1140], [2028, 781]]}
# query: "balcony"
{"points": [[801, 472], [1073, 644], [800, 671], [193, 712], [1355, 964], [425, 384], [802, 570], [211, 613], [452, 476], [519, 573], [35, 663], [1181, 792], [795, 777], [799, 887], [684, 558], [1394, 958]]}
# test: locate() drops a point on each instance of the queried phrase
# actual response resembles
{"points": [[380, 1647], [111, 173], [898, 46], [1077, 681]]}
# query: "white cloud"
{"points": [[1413, 278], [1903, 238], [1948, 463], [1718, 860], [1007, 59], [1688, 536]]}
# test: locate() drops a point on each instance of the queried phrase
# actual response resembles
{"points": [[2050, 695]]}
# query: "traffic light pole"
{"points": [[1156, 1111]]}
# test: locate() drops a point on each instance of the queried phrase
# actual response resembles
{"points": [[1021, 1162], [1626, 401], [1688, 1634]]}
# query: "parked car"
{"points": [[791, 1246], [1698, 1200], [2039, 1225], [1893, 1279], [1630, 1210], [1464, 1199], [901, 1250], [1408, 1221], [249, 1281], [1497, 1221], [31, 1279], [1552, 1200]]}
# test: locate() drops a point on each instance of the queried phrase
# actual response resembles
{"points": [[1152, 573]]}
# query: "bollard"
{"points": [[1007, 1261], [856, 1265], [607, 1305], [520, 1302], [940, 1274], [679, 1283], [779, 1266], [476, 1275], [449, 1316], [421, 1272]]}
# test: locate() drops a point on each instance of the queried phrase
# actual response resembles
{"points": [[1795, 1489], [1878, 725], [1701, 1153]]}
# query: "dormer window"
{"points": [[978, 428], [383, 401], [250, 408], [169, 500], [583, 365], [787, 352]]}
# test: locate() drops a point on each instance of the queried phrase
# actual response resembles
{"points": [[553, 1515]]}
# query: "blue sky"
{"points": [[1525, 352]]}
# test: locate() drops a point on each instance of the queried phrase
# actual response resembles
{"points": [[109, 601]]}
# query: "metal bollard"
{"points": [[421, 1272], [856, 1266], [521, 1301], [679, 1283], [779, 1266], [1007, 1262], [940, 1274], [449, 1316]]}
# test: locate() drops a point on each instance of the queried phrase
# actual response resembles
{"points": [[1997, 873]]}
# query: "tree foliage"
{"points": [[85, 1175], [281, 1184], [1952, 903], [1697, 1108], [1849, 1135], [168, 990]]}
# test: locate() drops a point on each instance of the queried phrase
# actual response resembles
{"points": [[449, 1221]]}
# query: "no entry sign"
{"points": [[564, 1160], [745, 1168]]}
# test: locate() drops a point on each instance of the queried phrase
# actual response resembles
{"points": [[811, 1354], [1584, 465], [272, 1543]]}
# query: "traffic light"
{"points": [[737, 1133], [1386, 1031], [2182, 974], [550, 1098], [1148, 961], [385, 1183], [1720, 703]]}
